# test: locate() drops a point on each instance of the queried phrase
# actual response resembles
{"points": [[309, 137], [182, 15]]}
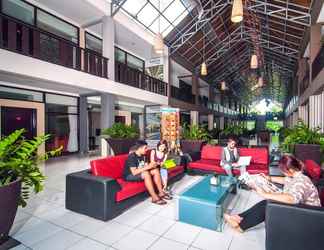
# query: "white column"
{"points": [[108, 44], [221, 122], [210, 121], [194, 117]]}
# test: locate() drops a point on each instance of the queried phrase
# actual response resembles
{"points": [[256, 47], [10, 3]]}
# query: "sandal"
{"points": [[160, 202], [166, 196]]}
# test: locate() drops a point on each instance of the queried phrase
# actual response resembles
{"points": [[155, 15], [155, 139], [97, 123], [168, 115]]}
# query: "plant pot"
{"points": [[191, 145], [9, 197], [308, 152], [120, 146]]}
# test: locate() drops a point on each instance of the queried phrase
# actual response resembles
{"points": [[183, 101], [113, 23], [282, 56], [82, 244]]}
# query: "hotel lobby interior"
{"points": [[162, 124]]}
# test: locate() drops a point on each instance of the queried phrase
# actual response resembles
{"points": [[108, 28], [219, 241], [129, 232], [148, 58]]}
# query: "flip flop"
{"points": [[160, 202], [166, 196]]}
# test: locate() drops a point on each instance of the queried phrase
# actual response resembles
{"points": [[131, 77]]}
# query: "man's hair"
{"points": [[231, 139], [138, 144]]}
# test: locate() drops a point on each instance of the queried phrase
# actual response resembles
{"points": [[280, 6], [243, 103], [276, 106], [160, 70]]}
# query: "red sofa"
{"points": [[211, 157], [101, 191]]}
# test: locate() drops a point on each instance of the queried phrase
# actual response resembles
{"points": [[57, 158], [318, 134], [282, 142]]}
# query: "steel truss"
{"points": [[115, 6]]}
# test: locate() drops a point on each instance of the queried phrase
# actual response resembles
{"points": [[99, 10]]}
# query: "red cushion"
{"points": [[129, 189], [210, 152], [110, 167], [259, 155], [175, 171], [209, 165], [313, 169]]}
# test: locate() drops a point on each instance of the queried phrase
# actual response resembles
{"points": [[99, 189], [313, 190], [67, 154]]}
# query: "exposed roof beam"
{"points": [[115, 6]]}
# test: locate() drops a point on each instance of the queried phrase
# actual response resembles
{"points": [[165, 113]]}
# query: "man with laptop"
{"points": [[231, 158]]}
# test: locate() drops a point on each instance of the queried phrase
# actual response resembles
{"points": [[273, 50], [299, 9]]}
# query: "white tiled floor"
{"points": [[45, 224]]}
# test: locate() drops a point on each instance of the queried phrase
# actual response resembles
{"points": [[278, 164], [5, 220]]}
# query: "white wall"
{"points": [[178, 70], [26, 66]]}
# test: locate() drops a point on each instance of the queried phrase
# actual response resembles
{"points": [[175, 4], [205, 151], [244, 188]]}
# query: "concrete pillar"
{"points": [[210, 121], [107, 110], [221, 122], [315, 41], [194, 117], [108, 44], [84, 125], [195, 88]]}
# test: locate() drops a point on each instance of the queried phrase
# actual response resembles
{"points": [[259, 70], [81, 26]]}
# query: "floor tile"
{"points": [[88, 226], [210, 240], [88, 244], [58, 241], [111, 233], [156, 225], [136, 240], [132, 218], [20, 215], [165, 244], [182, 232], [148, 207], [25, 225], [240, 243], [20, 247], [38, 233], [168, 211], [41, 207]]}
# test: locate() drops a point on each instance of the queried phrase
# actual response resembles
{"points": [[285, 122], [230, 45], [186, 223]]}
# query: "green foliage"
{"points": [[214, 133], [235, 130], [194, 132], [121, 131], [274, 126], [301, 134], [19, 160]]}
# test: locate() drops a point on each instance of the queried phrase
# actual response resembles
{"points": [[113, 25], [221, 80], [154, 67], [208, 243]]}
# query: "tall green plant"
{"points": [[121, 131], [301, 134], [194, 132], [236, 130], [19, 159]]}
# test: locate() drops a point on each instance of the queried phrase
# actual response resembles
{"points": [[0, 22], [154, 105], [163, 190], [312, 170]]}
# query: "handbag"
{"points": [[170, 163]]}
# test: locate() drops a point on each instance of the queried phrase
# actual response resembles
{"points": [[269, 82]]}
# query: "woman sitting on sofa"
{"points": [[298, 189]]}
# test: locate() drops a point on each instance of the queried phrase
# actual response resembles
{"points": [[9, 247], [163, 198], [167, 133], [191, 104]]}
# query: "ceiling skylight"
{"points": [[158, 15]]}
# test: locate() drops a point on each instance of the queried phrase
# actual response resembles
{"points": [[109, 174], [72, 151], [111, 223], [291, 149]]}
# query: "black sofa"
{"points": [[294, 227]]}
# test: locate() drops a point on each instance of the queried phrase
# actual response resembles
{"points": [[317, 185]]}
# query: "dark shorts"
{"points": [[134, 178]]}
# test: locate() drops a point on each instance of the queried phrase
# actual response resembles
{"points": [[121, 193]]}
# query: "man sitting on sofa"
{"points": [[230, 157], [136, 169]]}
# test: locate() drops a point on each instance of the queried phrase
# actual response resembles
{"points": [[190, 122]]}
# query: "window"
{"points": [[57, 26], [20, 10], [120, 55], [20, 94], [93, 43], [135, 62]]}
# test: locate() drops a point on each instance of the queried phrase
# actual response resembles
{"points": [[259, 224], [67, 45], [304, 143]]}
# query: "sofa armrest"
{"points": [[294, 227], [91, 195]]}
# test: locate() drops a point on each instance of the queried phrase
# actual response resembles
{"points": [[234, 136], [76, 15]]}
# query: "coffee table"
{"points": [[203, 204]]}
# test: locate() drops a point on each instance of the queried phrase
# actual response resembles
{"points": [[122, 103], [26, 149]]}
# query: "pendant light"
{"points": [[158, 40], [237, 11], [203, 70], [223, 86], [254, 61]]}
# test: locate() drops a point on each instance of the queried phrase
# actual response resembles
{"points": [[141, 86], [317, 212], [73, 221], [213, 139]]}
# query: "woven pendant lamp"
{"points": [[254, 61], [237, 11]]}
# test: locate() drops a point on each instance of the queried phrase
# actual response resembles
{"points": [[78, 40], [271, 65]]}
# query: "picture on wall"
{"points": [[170, 121]]}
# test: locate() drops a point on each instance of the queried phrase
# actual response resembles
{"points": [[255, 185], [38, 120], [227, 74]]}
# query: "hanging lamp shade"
{"points": [[237, 11], [158, 44], [260, 82], [203, 70], [223, 85], [254, 61]]}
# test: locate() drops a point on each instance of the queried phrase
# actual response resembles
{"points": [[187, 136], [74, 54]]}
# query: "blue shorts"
{"points": [[134, 178]]}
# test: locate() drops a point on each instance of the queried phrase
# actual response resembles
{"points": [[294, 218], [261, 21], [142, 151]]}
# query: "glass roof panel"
{"points": [[146, 12], [163, 25], [174, 10], [133, 7], [147, 15]]}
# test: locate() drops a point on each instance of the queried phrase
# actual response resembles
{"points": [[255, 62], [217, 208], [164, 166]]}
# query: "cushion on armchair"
{"points": [[313, 169]]}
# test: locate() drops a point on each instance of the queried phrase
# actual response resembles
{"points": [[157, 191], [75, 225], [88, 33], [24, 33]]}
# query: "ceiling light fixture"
{"points": [[223, 86], [203, 70], [237, 11], [158, 40], [254, 61]]}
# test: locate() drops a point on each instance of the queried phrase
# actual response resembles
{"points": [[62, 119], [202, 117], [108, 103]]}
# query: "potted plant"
{"points": [[120, 137], [193, 138], [304, 142], [19, 175]]}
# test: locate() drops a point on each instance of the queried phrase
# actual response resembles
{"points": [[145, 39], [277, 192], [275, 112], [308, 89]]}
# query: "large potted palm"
{"points": [[304, 142], [19, 175], [120, 137], [193, 138]]}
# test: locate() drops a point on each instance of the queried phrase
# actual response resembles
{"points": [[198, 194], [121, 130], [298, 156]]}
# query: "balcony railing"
{"points": [[133, 77], [178, 94], [318, 63], [28, 40]]}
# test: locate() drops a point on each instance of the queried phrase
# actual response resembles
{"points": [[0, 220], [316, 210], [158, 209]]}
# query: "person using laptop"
{"points": [[230, 157], [136, 170]]}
